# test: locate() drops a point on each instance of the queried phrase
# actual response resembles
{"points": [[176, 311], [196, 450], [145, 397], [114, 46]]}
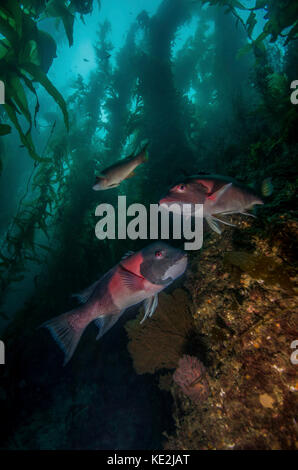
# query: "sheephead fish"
{"points": [[112, 176], [138, 277], [218, 194]]}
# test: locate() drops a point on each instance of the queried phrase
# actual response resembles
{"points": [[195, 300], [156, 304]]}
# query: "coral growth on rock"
{"points": [[262, 267], [249, 320], [159, 342], [191, 378]]}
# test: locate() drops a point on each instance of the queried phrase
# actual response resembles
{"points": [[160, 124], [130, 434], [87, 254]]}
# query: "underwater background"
{"points": [[207, 84]]}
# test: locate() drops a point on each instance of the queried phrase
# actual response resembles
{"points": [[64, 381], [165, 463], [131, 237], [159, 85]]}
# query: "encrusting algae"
{"points": [[262, 268], [246, 321]]}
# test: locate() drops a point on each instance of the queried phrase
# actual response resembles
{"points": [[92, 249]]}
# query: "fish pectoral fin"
{"points": [[131, 281], [213, 224], [106, 322], [223, 222], [215, 197], [150, 306], [230, 212], [248, 213]]}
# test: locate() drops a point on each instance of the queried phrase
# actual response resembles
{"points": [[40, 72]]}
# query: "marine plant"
{"points": [[196, 118], [26, 54], [160, 344]]}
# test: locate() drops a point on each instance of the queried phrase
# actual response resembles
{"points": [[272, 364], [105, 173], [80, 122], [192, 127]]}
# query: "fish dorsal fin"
{"points": [[106, 322], [215, 197], [85, 294], [127, 254], [127, 159], [150, 306]]}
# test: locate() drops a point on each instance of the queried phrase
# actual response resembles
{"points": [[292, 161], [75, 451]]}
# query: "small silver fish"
{"points": [[112, 176]]}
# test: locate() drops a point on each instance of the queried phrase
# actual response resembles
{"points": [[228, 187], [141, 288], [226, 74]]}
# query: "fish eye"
{"points": [[181, 187], [158, 254]]}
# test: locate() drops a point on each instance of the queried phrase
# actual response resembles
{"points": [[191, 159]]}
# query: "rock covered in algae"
{"points": [[248, 328], [261, 267]]}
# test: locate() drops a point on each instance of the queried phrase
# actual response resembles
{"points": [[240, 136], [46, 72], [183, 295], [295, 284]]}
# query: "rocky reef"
{"points": [[241, 289]]}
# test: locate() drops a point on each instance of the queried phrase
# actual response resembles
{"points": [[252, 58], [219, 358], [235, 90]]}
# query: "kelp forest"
{"points": [[207, 87]]}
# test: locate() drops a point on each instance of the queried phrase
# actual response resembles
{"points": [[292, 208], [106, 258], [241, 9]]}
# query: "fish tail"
{"points": [[267, 187], [66, 331]]}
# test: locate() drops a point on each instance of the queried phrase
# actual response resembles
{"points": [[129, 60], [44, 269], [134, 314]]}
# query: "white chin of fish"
{"points": [[176, 269], [99, 187]]}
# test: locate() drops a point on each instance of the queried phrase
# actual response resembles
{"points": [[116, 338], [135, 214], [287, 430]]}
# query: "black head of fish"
{"points": [[188, 192], [162, 263]]}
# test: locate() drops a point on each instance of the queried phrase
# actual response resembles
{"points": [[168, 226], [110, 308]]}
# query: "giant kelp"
{"points": [[196, 118], [280, 16], [26, 54]]}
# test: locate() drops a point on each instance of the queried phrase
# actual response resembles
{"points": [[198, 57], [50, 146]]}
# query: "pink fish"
{"points": [[138, 277], [218, 194]]}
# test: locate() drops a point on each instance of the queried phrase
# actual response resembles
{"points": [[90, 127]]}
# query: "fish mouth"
{"points": [[181, 264], [176, 269], [166, 200], [169, 201], [183, 258]]}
